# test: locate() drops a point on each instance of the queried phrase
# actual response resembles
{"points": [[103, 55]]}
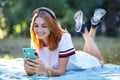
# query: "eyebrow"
{"points": [[37, 24]]}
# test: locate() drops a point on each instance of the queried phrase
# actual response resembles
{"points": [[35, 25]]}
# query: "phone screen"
{"points": [[29, 53]]}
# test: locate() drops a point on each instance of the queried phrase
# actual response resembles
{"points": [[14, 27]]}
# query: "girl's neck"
{"points": [[45, 43]]}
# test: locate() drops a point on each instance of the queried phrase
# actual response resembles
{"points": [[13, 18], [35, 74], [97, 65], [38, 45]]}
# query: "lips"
{"points": [[40, 34]]}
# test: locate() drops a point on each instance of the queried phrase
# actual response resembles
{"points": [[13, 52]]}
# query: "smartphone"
{"points": [[29, 53]]}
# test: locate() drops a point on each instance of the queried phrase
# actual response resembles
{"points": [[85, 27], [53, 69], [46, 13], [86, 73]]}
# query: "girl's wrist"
{"points": [[45, 72], [48, 72]]}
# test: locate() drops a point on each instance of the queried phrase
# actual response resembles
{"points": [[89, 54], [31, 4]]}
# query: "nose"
{"points": [[39, 29]]}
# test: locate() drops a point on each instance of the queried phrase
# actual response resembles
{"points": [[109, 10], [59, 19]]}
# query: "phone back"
{"points": [[29, 53]]}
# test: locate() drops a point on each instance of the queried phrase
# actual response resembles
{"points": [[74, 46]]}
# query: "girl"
{"points": [[55, 48]]}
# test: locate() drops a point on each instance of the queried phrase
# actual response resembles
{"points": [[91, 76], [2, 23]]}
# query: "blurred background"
{"points": [[15, 18]]}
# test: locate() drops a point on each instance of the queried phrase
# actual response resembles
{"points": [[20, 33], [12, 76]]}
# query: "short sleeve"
{"points": [[66, 47]]}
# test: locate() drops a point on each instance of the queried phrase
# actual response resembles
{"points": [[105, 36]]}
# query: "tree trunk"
{"points": [[111, 22], [10, 31]]}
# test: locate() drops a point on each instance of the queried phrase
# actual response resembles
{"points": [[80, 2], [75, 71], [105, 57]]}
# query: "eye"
{"points": [[35, 25], [44, 26]]}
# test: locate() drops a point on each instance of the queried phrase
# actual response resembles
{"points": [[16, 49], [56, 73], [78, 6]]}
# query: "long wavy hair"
{"points": [[55, 28]]}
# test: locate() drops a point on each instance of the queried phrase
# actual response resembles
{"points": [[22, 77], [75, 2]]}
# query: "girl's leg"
{"points": [[92, 32], [95, 20], [90, 46]]}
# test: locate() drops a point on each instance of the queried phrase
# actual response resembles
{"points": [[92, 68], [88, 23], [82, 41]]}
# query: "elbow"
{"points": [[61, 73]]}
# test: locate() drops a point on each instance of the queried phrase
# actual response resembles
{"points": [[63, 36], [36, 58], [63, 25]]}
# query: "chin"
{"points": [[41, 37]]}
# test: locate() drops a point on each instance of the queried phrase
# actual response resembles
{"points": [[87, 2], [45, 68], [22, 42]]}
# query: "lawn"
{"points": [[109, 47]]}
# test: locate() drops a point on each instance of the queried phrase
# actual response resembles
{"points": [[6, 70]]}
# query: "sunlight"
{"points": [[24, 25], [7, 57], [1, 34], [18, 28]]}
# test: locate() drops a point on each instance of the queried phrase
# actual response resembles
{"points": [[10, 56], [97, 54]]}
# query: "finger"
{"points": [[41, 63], [31, 68], [31, 63], [25, 65], [31, 60], [25, 60]]}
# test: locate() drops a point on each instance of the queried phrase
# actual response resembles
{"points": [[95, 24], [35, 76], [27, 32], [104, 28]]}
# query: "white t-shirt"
{"points": [[77, 59]]}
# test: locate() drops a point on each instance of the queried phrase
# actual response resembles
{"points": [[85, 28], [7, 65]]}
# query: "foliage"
{"points": [[15, 15], [87, 6]]}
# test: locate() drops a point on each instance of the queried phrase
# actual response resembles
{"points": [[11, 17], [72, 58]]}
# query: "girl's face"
{"points": [[41, 29]]}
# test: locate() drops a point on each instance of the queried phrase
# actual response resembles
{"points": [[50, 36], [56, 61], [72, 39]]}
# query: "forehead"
{"points": [[39, 20]]}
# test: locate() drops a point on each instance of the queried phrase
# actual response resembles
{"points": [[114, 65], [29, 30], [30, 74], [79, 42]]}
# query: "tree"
{"points": [[17, 13], [111, 21], [10, 20]]}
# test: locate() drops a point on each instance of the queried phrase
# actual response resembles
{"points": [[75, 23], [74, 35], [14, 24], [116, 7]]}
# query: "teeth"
{"points": [[41, 34]]}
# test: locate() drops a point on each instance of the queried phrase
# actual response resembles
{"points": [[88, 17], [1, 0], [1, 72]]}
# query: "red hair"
{"points": [[55, 28]]}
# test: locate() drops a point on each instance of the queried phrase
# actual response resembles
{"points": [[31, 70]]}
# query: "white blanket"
{"points": [[13, 70]]}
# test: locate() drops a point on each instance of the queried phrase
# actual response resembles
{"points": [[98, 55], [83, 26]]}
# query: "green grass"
{"points": [[13, 47], [109, 47]]}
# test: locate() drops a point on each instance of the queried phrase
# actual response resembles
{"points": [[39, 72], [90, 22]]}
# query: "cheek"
{"points": [[48, 31], [35, 30]]}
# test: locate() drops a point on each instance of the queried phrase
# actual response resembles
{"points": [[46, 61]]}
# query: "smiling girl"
{"points": [[55, 48]]}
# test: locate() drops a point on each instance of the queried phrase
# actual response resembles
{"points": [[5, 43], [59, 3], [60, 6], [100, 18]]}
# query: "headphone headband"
{"points": [[46, 10]]}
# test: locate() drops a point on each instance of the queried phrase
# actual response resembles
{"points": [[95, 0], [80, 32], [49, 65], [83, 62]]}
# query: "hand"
{"points": [[36, 66], [29, 69], [40, 67]]}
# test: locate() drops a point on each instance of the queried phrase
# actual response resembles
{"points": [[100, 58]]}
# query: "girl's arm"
{"points": [[62, 63], [38, 67]]}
